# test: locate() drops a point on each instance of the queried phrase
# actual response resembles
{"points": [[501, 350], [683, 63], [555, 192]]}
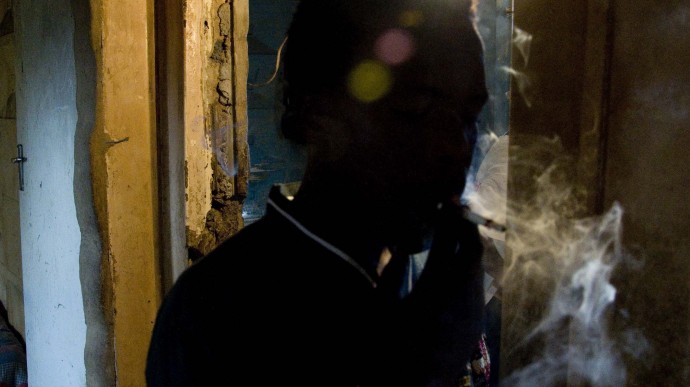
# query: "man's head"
{"points": [[385, 94]]}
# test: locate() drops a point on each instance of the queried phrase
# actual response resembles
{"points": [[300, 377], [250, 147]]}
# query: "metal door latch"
{"points": [[20, 160]]}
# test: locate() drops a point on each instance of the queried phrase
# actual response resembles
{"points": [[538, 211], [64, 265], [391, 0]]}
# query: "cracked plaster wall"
{"points": [[217, 157]]}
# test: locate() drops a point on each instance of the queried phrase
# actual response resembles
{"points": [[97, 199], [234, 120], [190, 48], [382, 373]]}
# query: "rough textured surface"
{"points": [[198, 47], [223, 102]]}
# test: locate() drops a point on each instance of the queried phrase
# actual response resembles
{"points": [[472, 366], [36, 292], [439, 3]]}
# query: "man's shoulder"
{"points": [[263, 238], [265, 246], [235, 264]]}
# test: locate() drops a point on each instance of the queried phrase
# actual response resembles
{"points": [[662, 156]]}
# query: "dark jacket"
{"points": [[276, 306]]}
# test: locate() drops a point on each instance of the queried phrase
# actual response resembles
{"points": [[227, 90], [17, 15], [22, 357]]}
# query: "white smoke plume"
{"points": [[568, 259]]}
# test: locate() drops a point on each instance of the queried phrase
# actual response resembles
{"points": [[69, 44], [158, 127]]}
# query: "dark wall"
{"points": [[608, 79], [548, 76], [648, 172], [546, 96]]}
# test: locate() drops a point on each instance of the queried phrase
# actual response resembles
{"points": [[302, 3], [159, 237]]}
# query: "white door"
{"points": [[50, 234]]}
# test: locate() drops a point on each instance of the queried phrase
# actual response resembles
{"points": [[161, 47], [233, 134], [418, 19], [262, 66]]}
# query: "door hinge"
{"points": [[20, 160]]}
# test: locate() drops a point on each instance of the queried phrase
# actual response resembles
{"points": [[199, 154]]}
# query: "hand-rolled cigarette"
{"points": [[474, 217]]}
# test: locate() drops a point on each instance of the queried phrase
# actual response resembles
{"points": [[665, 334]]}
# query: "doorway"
{"points": [[273, 159]]}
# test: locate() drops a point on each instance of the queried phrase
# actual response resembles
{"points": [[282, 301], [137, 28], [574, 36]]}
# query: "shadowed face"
{"points": [[415, 145]]}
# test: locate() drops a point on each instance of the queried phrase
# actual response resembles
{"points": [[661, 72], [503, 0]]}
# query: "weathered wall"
{"points": [[648, 172], [118, 85], [124, 172], [216, 152], [198, 170]]}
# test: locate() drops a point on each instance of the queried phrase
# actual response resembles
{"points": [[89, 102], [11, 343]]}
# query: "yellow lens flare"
{"points": [[411, 18], [369, 81]]}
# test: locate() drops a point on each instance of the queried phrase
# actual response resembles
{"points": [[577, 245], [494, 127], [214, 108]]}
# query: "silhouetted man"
{"points": [[319, 291]]}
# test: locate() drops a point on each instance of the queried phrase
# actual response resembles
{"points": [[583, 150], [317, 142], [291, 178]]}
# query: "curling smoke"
{"points": [[523, 83], [522, 41], [578, 256], [563, 260]]}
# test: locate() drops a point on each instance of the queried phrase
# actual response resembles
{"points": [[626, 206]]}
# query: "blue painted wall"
{"points": [[272, 158]]}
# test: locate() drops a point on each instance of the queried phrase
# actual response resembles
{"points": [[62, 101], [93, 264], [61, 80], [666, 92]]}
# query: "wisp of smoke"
{"points": [[567, 259], [522, 41], [579, 255], [523, 83]]}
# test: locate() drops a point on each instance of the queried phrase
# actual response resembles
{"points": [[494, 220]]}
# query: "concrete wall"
{"points": [[124, 164]]}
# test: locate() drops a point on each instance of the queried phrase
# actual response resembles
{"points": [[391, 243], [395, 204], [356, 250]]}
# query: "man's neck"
{"points": [[344, 218], [357, 224]]}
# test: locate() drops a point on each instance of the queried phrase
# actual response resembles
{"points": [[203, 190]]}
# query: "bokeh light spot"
{"points": [[411, 18], [395, 46], [369, 81]]}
